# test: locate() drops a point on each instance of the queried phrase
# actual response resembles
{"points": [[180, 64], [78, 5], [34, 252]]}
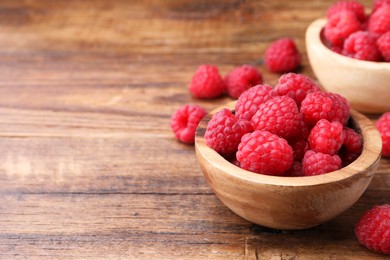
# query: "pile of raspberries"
{"points": [[350, 32]]}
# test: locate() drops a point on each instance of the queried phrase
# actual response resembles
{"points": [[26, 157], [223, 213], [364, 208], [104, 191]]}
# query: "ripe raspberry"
{"points": [[353, 6], [379, 21], [185, 120], [362, 46], [321, 105], [300, 147], [207, 82], [319, 163], [224, 131], [340, 26], [279, 116], [326, 137], [352, 146], [373, 229], [248, 103], [296, 86], [383, 125], [379, 3], [295, 170], [383, 44], [242, 78], [266, 153], [282, 56]]}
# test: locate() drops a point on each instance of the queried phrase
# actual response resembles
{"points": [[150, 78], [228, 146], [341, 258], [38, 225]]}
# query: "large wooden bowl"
{"points": [[289, 202], [365, 84]]}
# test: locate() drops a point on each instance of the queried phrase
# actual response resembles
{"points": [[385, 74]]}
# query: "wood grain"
{"points": [[89, 166]]}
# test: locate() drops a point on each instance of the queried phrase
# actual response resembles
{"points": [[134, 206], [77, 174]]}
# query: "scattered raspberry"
{"points": [[321, 105], [353, 6], [242, 78], [326, 137], [300, 147], [383, 44], [383, 125], [295, 170], [379, 21], [318, 163], [207, 82], [224, 131], [266, 153], [185, 120], [362, 46], [373, 229], [296, 86], [282, 56], [379, 3], [340, 26], [279, 116], [249, 102]]}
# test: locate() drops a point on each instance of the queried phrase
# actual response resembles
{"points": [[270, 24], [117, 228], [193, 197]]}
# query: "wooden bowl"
{"points": [[289, 202], [365, 84]]}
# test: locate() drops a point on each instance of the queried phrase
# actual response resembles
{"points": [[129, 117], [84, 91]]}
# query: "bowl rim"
{"points": [[372, 147], [313, 36]]}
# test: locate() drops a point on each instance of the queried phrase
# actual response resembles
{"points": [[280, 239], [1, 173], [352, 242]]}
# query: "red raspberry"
{"points": [[207, 82], [379, 21], [319, 163], [282, 56], [373, 229], [266, 153], [224, 131], [383, 125], [300, 147], [352, 146], [362, 46], [296, 86], [321, 105], [326, 137], [379, 3], [295, 170], [242, 78], [279, 116], [340, 26], [353, 6], [248, 103], [383, 44], [185, 120]]}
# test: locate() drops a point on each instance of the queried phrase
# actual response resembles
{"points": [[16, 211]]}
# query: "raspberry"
{"points": [[379, 3], [383, 125], [185, 120], [355, 7], [248, 103], [373, 229], [279, 116], [266, 153], [319, 163], [352, 146], [300, 147], [295, 170], [340, 26], [362, 46], [282, 56], [207, 82], [296, 86], [326, 137], [242, 78], [336, 48], [224, 131], [321, 105], [383, 44], [379, 21]]}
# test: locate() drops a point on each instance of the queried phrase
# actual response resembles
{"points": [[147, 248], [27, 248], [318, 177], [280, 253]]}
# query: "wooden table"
{"points": [[89, 166]]}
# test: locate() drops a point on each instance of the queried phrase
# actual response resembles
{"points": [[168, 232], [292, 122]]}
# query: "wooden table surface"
{"points": [[89, 166]]}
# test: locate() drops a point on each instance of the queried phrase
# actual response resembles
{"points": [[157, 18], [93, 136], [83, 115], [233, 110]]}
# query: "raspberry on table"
{"points": [[383, 44], [353, 6], [340, 26], [279, 116], [224, 131], [207, 82], [295, 170], [362, 45], [185, 120], [379, 21], [248, 103], [300, 147], [265, 153], [296, 86], [282, 56], [373, 229], [326, 137], [383, 125], [242, 78], [319, 163], [323, 105]]}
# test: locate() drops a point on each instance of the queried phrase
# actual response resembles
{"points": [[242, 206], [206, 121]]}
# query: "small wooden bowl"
{"points": [[365, 84], [289, 202]]}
